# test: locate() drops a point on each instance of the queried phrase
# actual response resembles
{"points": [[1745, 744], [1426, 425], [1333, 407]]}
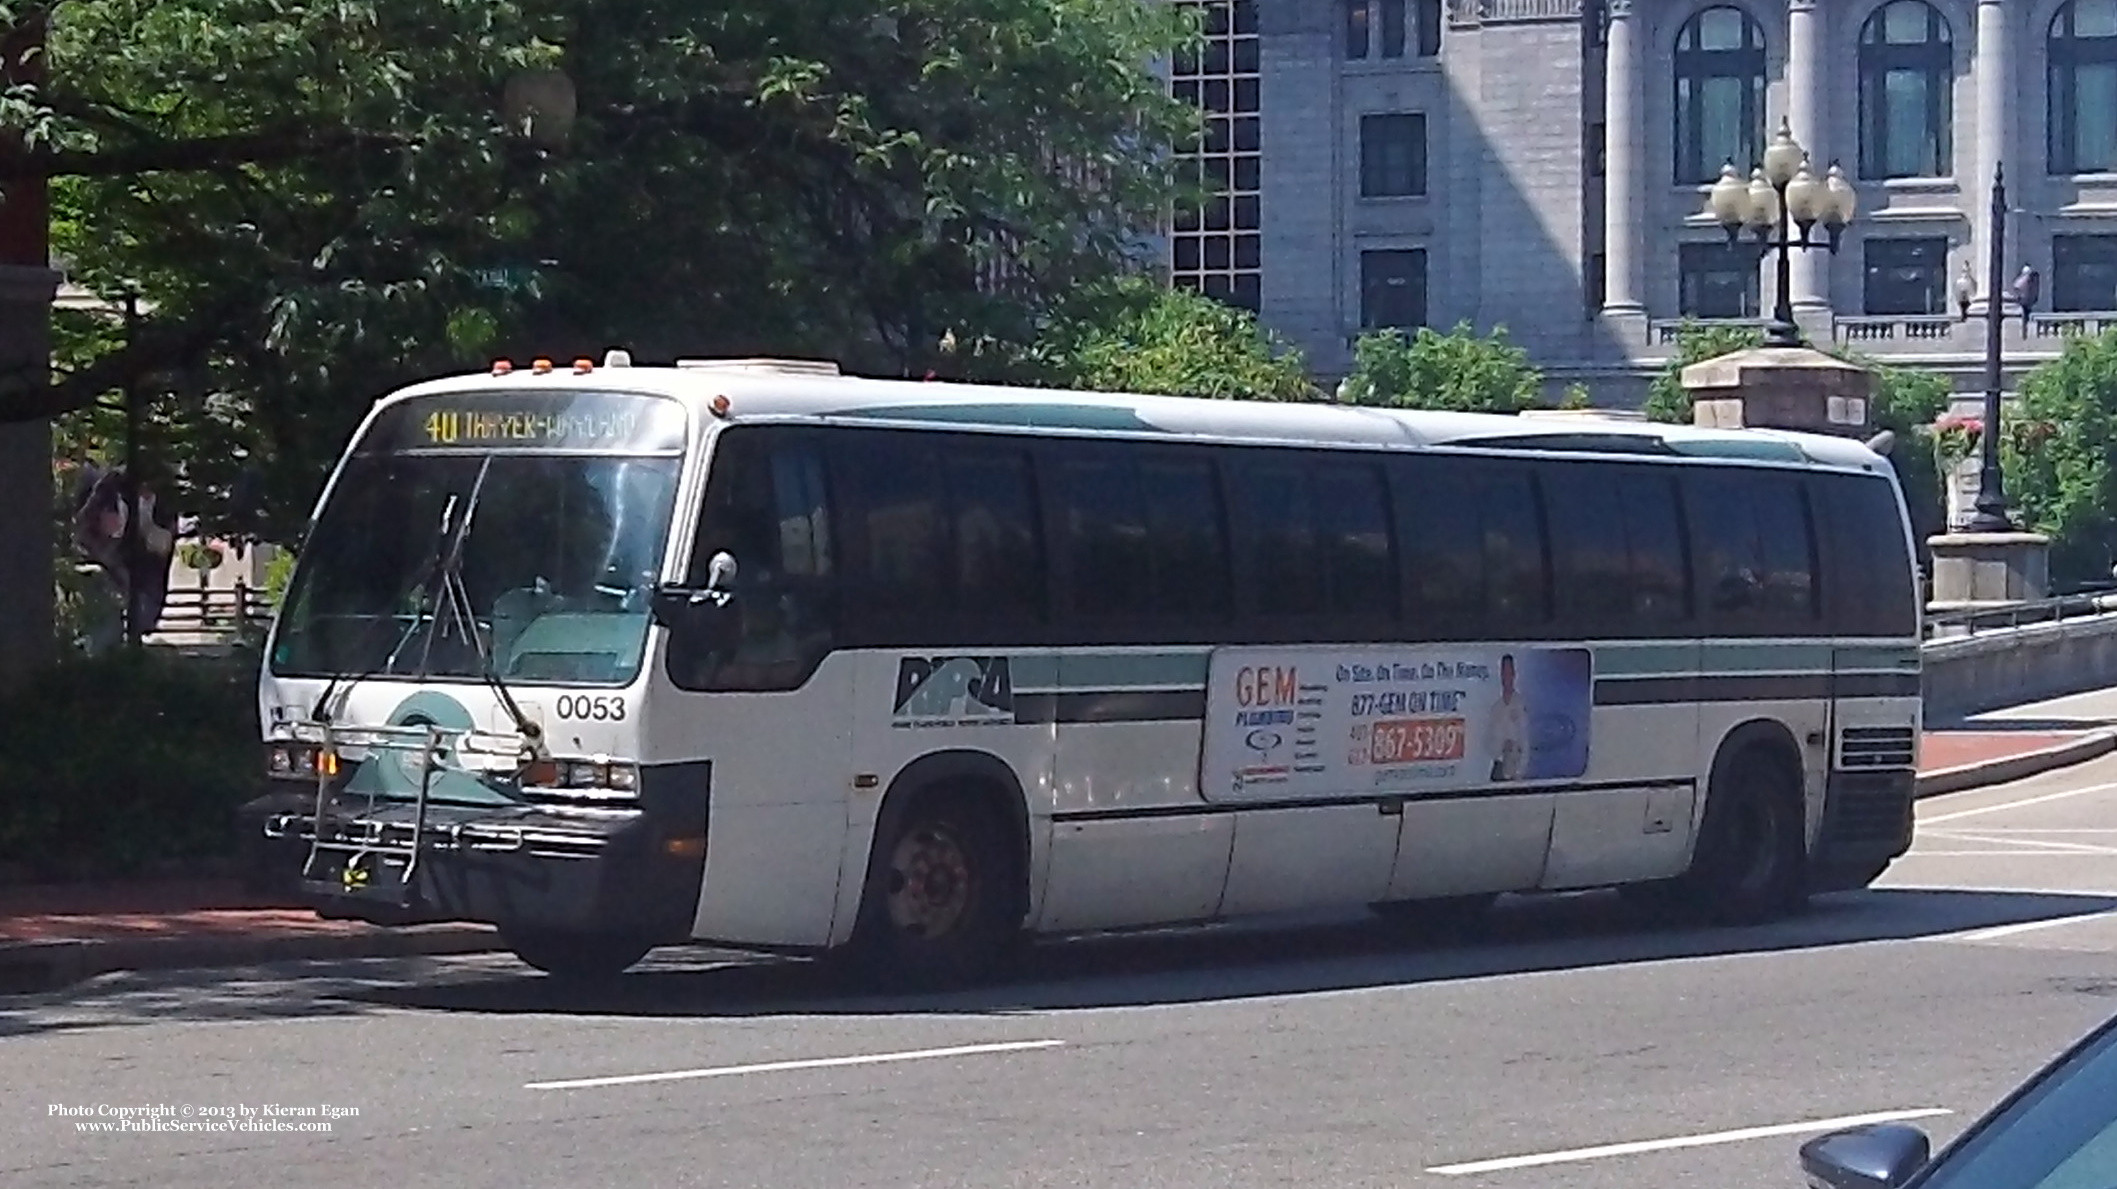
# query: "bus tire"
{"points": [[1750, 862], [575, 957], [943, 905]]}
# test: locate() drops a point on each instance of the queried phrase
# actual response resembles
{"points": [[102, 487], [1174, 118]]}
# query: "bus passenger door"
{"points": [[765, 704]]}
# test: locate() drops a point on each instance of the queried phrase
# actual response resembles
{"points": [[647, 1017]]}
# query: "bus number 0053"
{"points": [[1411, 740], [594, 709]]}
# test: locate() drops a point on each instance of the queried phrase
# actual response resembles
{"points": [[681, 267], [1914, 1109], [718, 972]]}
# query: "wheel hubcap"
{"points": [[930, 882]]}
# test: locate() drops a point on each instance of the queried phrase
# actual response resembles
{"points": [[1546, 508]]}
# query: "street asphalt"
{"points": [[1337, 1054]]}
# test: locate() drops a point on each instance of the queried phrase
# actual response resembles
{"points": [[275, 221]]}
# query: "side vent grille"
{"points": [[1877, 747]]}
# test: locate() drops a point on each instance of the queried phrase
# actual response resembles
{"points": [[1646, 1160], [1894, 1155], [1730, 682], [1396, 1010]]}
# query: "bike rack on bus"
{"points": [[355, 826]]}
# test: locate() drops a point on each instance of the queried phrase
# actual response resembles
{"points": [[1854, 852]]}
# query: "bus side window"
{"points": [[1755, 551], [1143, 545], [999, 554], [766, 505], [1516, 584], [1868, 586], [1444, 552]]}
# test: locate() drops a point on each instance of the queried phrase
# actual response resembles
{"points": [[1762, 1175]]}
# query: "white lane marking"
{"points": [[2024, 803], [2036, 845], [1995, 932], [1682, 1141], [2014, 852], [723, 1071]]}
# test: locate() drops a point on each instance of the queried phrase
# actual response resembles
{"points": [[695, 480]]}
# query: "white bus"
{"points": [[752, 653]]}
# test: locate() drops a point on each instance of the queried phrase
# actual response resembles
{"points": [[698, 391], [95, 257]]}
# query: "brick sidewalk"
{"points": [[1953, 749]]}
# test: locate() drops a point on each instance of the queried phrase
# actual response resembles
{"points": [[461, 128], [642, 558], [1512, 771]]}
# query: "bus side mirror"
{"points": [[695, 609]]}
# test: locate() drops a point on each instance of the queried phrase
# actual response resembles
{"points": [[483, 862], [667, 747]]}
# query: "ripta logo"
{"points": [[950, 690]]}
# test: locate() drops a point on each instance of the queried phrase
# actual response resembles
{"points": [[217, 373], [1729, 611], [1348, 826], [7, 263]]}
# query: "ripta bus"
{"points": [[753, 653]]}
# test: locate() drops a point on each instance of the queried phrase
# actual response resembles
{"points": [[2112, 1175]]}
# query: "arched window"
{"points": [[1719, 94], [2082, 99], [1907, 80]]}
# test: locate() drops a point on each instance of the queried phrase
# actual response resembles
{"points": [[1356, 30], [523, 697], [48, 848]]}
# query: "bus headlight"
{"points": [[299, 761], [614, 776]]}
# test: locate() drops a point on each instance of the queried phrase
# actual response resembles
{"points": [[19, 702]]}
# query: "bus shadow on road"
{"points": [[1286, 956]]}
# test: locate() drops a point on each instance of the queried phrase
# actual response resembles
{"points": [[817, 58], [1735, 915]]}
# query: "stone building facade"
{"points": [[1543, 165]]}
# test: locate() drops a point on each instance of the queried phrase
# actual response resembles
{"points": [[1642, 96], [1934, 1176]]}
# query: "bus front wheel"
{"points": [[575, 957], [940, 906]]}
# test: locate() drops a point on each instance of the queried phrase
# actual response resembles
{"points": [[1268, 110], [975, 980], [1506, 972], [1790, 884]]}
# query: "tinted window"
{"points": [[1278, 526], [766, 505], [1516, 592], [1591, 562], [1444, 548], [999, 560], [1353, 531], [896, 523], [1142, 536], [1616, 548], [1188, 549], [1754, 551], [1868, 581], [1661, 586], [1473, 538]]}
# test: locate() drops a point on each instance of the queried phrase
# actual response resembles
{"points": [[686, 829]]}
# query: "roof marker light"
{"points": [[582, 367], [720, 405], [617, 357], [501, 367], [542, 367]]}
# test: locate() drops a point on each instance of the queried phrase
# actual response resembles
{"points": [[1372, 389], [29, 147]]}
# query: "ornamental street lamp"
{"points": [[1992, 515], [1782, 195]]}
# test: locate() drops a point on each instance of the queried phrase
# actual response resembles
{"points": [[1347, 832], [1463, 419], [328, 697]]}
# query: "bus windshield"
{"points": [[562, 509]]}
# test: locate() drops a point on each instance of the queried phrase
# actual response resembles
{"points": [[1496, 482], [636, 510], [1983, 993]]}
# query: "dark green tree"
{"points": [[1137, 336], [319, 202], [1460, 370], [2056, 449]]}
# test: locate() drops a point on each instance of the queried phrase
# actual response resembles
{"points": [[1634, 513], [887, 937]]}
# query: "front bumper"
{"points": [[634, 871]]}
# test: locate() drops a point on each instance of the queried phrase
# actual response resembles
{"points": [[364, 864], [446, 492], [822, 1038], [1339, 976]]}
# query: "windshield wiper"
{"points": [[448, 589], [422, 584]]}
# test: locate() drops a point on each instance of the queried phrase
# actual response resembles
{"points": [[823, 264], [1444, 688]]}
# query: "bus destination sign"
{"points": [[598, 422]]}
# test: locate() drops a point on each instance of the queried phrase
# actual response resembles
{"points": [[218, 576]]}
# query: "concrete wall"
{"points": [[2011, 666]]}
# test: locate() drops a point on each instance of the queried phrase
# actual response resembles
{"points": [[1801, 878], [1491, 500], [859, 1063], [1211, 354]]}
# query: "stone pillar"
{"points": [[1794, 388], [1995, 78], [1976, 569], [1804, 113], [25, 479], [1623, 164]]}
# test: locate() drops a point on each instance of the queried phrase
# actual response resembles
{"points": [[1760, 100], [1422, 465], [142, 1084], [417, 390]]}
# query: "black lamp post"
{"points": [[1782, 195], [1992, 515]]}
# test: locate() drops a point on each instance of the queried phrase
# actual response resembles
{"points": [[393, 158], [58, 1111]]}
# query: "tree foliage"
{"points": [[1461, 371], [2056, 454], [1136, 336], [319, 202]]}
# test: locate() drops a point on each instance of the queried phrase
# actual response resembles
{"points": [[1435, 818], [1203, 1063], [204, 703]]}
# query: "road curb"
{"points": [[31, 966], [1999, 771]]}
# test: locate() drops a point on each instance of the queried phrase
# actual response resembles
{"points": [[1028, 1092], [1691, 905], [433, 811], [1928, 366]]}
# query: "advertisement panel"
{"points": [[1287, 724]]}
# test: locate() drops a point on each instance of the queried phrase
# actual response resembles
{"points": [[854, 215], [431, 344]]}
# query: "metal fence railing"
{"points": [[191, 609], [1965, 622]]}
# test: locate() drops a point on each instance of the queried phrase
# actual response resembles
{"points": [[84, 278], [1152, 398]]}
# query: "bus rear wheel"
{"points": [[941, 905], [575, 957], [1749, 862]]}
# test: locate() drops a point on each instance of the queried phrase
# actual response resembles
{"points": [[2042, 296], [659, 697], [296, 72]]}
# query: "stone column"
{"points": [[1804, 112], [25, 479], [1995, 78], [1623, 205]]}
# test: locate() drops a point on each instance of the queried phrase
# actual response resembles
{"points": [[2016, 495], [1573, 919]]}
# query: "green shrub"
{"points": [[112, 764]]}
